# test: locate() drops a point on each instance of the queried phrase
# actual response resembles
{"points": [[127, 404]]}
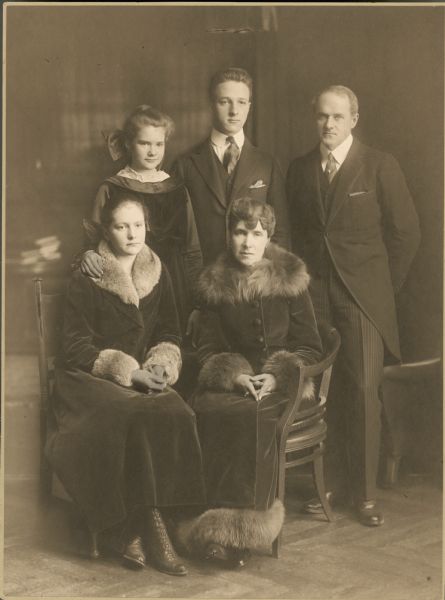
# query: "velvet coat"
{"points": [[370, 233], [116, 448], [255, 320], [257, 175]]}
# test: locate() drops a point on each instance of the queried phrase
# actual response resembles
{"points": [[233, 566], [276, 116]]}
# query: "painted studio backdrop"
{"points": [[73, 73]]}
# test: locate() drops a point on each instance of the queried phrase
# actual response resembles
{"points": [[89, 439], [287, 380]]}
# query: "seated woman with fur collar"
{"points": [[257, 327], [125, 444]]}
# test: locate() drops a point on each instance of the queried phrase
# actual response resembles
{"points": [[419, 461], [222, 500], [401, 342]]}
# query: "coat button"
{"points": [[257, 322], [260, 339]]}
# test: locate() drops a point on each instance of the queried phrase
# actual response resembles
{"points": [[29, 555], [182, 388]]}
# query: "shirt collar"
{"points": [[340, 153], [150, 177], [220, 139]]}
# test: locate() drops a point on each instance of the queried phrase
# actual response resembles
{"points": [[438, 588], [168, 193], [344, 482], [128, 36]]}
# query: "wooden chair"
{"points": [[301, 433], [49, 313], [407, 389]]}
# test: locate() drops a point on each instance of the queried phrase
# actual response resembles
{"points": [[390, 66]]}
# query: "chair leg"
{"points": [[94, 548], [276, 546], [317, 466]]}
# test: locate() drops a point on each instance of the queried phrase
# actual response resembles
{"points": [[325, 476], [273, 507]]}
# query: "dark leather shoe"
{"points": [[368, 514], [162, 553], [215, 551], [134, 555], [239, 557]]}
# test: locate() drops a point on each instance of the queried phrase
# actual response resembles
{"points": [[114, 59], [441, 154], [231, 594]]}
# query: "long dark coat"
{"points": [[257, 175], [255, 320], [115, 448], [370, 234]]}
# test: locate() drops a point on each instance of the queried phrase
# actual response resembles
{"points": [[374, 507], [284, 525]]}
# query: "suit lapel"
{"points": [[347, 174], [205, 163], [312, 182], [245, 167]]}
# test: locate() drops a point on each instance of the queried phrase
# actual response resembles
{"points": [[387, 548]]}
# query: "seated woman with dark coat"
{"points": [[257, 327], [125, 444]]}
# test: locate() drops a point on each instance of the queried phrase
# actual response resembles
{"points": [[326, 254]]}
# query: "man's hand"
{"points": [[265, 383], [192, 326], [92, 264], [146, 380], [244, 382]]}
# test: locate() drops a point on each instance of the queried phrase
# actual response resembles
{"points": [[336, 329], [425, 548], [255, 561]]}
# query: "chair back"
{"points": [[293, 419], [49, 313]]}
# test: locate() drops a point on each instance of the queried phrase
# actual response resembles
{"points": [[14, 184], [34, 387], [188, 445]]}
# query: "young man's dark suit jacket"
{"points": [[370, 232], [256, 175]]}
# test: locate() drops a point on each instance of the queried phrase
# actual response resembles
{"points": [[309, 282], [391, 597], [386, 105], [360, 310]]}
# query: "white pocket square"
{"points": [[258, 184], [352, 194]]}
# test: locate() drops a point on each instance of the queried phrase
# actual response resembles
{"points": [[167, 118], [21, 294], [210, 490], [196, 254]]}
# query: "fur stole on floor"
{"points": [[231, 527]]}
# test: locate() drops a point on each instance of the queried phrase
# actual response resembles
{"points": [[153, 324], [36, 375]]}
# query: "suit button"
{"points": [[260, 339], [257, 322]]}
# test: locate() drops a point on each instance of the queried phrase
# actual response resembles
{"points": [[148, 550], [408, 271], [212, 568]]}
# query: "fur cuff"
{"points": [[115, 365], [166, 355], [284, 365], [220, 371], [232, 527]]}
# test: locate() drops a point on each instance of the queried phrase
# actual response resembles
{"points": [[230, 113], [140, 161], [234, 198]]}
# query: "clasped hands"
{"points": [[150, 379], [257, 385]]}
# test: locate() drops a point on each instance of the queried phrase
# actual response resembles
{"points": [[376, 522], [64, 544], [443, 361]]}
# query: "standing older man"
{"points": [[354, 223], [227, 166]]}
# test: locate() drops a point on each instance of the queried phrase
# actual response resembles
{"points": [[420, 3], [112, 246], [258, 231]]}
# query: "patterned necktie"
{"points": [[331, 167], [231, 155]]}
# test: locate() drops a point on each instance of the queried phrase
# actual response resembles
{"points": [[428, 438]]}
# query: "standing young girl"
{"points": [[172, 233]]}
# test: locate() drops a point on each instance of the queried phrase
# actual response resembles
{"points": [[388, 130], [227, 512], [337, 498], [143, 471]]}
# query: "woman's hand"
{"points": [[244, 382], [265, 384], [92, 264], [149, 379]]}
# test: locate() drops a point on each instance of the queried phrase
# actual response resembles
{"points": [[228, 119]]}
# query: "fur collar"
{"points": [[279, 273], [145, 274]]}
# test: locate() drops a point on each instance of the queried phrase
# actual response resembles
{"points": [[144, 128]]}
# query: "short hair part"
{"points": [[340, 90], [251, 211], [143, 116], [116, 199], [231, 74]]}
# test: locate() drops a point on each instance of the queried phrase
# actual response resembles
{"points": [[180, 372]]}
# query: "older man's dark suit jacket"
{"points": [[257, 175], [370, 232]]}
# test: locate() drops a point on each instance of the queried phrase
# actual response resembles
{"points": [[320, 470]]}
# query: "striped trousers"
{"points": [[353, 405]]}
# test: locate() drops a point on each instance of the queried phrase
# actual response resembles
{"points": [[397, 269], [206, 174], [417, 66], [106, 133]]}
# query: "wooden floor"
{"points": [[44, 553], [343, 560]]}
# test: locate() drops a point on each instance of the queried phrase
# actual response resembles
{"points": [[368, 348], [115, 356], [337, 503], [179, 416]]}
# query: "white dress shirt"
{"points": [[340, 153], [220, 143]]}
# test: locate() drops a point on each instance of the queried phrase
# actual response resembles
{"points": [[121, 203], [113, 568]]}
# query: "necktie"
{"points": [[331, 168], [231, 155]]}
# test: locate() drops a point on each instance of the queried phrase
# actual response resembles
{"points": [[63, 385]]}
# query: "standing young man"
{"points": [[227, 166]]}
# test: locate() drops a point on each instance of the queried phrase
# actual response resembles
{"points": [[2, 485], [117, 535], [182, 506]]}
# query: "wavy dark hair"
{"points": [[251, 211]]}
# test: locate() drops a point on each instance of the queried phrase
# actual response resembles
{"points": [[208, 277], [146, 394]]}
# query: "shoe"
{"points": [[134, 555], [162, 554], [313, 506], [239, 557], [368, 514], [215, 551]]}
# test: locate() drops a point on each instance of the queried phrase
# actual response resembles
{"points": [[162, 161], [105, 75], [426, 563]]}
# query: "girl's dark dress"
{"points": [[114, 448]]}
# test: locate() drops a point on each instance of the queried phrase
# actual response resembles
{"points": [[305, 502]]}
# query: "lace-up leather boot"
{"points": [[163, 555]]}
